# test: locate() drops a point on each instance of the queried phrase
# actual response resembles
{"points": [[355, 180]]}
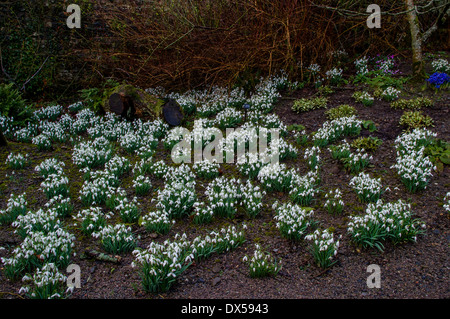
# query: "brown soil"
{"points": [[413, 270]]}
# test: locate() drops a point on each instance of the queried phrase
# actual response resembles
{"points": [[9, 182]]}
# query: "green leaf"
{"points": [[445, 158]]}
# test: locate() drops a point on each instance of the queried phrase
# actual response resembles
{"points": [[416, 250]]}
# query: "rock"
{"points": [[153, 235], [173, 113], [129, 102]]}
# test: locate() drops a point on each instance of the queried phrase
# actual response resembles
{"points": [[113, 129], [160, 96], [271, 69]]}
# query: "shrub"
{"points": [[415, 119], [13, 105], [369, 144], [304, 105], [412, 104], [340, 111]]}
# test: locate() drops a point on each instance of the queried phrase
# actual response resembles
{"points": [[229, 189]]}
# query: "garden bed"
{"points": [[408, 270]]}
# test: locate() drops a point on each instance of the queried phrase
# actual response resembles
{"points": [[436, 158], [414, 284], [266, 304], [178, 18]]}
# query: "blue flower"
{"points": [[438, 79]]}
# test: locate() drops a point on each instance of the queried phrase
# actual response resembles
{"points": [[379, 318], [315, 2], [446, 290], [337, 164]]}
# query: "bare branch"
{"points": [[39, 70]]}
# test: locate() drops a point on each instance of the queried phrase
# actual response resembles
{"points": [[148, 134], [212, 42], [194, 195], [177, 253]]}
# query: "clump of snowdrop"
{"points": [[312, 155], [301, 137], [440, 65], [292, 220], [324, 247], [54, 130], [413, 166], [368, 189], [92, 153], [362, 66], [15, 206], [177, 197], [447, 202], [382, 222], [229, 238], [340, 151], [60, 204], [141, 167], [390, 94], [261, 263], [415, 170], [75, 107], [206, 169], [303, 188], [284, 150], [228, 118], [249, 164], [413, 141], [43, 142], [333, 130], [223, 196], [174, 136], [273, 121], [17, 161], [55, 185], [160, 264], [116, 239], [95, 191], [334, 203], [357, 161], [157, 222], [363, 97], [39, 248], [46, 283], [142, 184], [118, 165], [202, 213], [158, 169], [6, 126], [92, 219], [275, 177], [27, 133], [43, 221], [129, 211], [251, 199], [51, 112], [334, 76]]}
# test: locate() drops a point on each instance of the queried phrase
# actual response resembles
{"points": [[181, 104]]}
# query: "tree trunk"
{"points": [[3, 141], [416, 40]]}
